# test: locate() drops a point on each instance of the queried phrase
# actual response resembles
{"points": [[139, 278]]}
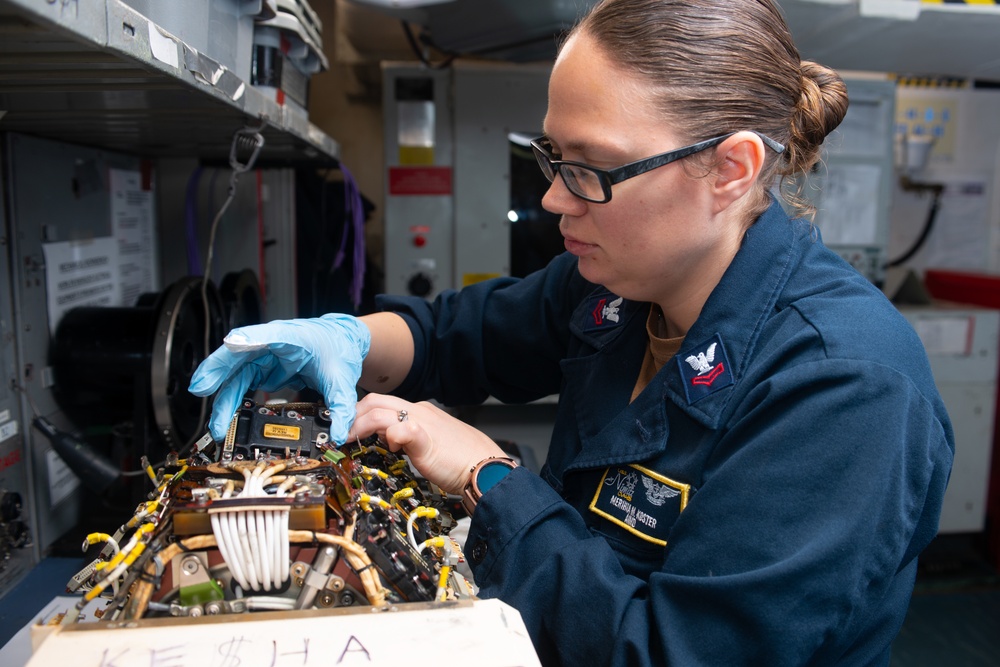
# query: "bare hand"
{"points": [[442, 448]]}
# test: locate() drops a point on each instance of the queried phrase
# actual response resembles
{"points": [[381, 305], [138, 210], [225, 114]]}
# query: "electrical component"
{"points": [[276, 518]]}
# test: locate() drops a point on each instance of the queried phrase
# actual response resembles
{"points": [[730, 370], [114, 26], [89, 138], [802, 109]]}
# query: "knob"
{"points": [[420, 285]]}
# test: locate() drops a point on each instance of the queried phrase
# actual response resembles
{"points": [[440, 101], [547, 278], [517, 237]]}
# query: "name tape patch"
{"points": [[641, 501]]}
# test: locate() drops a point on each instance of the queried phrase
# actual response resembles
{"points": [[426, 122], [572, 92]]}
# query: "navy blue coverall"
{"points": [[761, 502]]}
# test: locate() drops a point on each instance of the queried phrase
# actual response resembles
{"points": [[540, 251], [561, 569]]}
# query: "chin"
{"points": [[598, 273]]}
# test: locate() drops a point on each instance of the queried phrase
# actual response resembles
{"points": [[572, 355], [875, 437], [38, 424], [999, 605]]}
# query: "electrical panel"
{"points": [[852, 185], [56, 193], [18, 549], [456, 155]]}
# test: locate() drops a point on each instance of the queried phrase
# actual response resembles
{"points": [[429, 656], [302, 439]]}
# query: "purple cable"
{"points": [[191, 223], [354, 212]]}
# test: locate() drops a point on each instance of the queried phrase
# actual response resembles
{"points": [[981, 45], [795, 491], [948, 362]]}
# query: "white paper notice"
{"points": [[946, 336], [849, 213], [62, 480], [132, 226], [80, 273]]}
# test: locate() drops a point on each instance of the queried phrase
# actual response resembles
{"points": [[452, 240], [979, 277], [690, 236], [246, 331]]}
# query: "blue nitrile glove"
{"points": [[324, 353]]}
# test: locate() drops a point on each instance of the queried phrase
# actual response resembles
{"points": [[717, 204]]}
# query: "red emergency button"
{"points": [[419, 241]]}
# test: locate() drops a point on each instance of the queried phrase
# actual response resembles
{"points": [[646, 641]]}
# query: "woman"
{"points": [[749, 451]]}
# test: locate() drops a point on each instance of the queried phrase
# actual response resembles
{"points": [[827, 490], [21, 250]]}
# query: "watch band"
{"points": [[475, 489]]}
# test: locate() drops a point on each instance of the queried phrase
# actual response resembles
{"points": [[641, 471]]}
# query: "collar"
{"points": [[602, 316], [733, 317]]}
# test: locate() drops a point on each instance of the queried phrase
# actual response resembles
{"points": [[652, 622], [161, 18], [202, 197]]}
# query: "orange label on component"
{"points": [[281, 432]]}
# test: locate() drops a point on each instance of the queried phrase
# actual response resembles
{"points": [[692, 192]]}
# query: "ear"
{"points": [[740, 159]]}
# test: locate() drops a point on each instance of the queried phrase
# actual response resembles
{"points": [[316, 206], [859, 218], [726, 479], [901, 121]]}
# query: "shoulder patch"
{"points": [[705, 369], [602, 312]]}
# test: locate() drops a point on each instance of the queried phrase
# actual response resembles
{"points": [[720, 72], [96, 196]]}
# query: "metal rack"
{"points": [[100, 74], [94, 83]]}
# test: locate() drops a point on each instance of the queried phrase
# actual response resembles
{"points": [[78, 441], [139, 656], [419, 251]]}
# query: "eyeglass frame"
{"points": [[608, 177]]}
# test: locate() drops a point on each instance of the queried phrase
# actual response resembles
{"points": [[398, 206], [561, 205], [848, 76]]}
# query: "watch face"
{"points": [[485, 475], [491, 473]]}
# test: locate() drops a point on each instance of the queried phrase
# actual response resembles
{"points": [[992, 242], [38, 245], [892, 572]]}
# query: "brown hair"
{"points": [[721, 66]]}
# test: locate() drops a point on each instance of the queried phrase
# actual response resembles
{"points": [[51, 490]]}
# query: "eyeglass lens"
{"points": [[580, 181]]}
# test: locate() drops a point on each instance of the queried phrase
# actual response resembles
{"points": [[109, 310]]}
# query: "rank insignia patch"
{"points": [[641, 501], [705, 369], [602, 312]]}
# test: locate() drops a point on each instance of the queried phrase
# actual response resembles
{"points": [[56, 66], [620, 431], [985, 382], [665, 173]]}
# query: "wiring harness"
{"points": [[276, 518]]}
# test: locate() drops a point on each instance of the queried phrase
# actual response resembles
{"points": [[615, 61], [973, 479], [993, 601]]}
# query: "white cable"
{"points": [[276, 553], [269, 603], [220, 540], [248, 536], [251, 547], [113, 576], [286, 555], [409, 530], [235, 560], [254, 543], [265, 537], [265, 551], [284, 559], [248, 553]]}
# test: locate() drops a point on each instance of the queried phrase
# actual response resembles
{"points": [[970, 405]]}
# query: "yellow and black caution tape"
{"points": [[961, 2], [915, 81]]}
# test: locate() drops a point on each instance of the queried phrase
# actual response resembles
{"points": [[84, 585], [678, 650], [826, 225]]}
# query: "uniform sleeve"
{"points": [[798, 547], [502, 337]]}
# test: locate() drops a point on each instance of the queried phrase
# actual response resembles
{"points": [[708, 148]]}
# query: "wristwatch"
{"points": [[485, 475]]}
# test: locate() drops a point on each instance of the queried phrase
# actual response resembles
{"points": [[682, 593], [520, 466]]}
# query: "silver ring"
{"points": [[403, 415]]}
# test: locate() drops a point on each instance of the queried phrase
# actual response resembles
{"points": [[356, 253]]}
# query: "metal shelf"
{"points": [[100, 74], [899, 36]]}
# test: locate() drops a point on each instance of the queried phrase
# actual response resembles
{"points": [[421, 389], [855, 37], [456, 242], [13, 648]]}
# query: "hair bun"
{"points": [[821, 108], [824, 91]]}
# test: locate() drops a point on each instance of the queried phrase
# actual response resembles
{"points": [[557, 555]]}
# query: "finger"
{"points": [[374, 401], [407, 436], [341, 396], [291, 340], [259, 336], [375, 413], [216, 369], [228, 400]]}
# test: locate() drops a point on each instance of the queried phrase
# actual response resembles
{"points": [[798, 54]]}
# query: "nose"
{"points": [[560, 201]]}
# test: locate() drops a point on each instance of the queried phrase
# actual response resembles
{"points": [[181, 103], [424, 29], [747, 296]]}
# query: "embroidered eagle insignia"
{"points": [[657, 493], [703, 362], [607, 311]]}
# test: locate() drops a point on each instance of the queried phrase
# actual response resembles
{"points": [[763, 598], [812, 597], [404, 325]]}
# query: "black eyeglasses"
{"points": [[594, 185]]}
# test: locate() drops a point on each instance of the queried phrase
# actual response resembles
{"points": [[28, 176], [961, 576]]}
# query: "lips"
{"points": [[576, 247]]}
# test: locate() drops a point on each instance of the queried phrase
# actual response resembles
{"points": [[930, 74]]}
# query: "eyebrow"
{"points": [[585, 148]]}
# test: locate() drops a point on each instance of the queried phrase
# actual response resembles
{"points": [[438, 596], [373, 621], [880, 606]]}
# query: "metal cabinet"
{"points": [[85, 88], [961, 343]]}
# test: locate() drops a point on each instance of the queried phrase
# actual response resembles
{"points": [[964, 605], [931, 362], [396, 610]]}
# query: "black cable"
{"points": [[418, 52], [937, 189]]}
